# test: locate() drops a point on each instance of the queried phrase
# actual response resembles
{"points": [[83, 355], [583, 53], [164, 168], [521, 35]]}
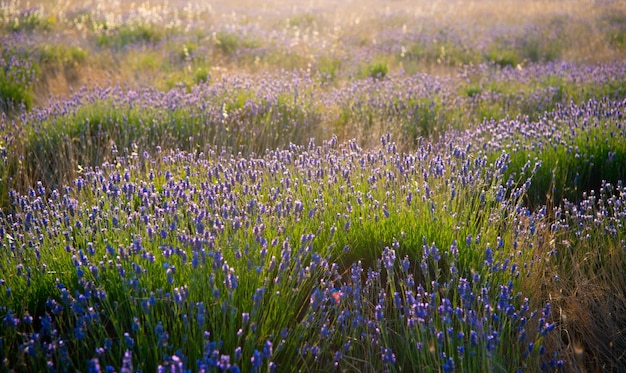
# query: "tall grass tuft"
{"points": [[128, 34], [580, 269]]}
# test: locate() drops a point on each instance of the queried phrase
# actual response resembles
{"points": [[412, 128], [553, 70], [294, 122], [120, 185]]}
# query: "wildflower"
{"points": [[128, 340], [79, 333], [93, 366], [440, 338], [379, 312], [258, 297], [473, 338], [488, 256], [388, 356], [162, 336], [448, 365], [389, 257], [245, 318], [224, 363], [267, 349], [127, 362], [27, 319], [11, 321], [256, 361]]}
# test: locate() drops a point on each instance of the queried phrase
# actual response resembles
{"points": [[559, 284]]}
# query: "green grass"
{"points": [[614, 27], [28, 21], [230, 43], [328, 68], [503, 57], [227, 42], [14, 95], [569, 170], [442, 51], [376, 70], [130, 34], [58, 54], [583, 276]]}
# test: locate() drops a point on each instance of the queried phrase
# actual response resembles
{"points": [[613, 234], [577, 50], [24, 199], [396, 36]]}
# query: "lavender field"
{"points": [[375, 186]]}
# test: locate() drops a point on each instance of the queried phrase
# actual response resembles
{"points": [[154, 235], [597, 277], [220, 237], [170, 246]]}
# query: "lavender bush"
{"points": [[212, 261]]}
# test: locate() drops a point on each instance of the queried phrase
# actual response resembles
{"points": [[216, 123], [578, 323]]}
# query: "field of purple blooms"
{"points": [[280, 188]]}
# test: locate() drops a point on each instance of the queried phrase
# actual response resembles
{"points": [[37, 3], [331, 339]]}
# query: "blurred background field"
{"points": [[163, 44]]}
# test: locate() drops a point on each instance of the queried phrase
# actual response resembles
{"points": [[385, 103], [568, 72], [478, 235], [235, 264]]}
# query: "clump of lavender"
{"points": [[18, 74], [313, 256]]}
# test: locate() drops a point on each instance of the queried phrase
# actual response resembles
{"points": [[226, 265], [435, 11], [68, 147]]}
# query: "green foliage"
{"points": [[60, 54], [617, 38], [143, 291], [541, 44], [424, 120], [417, 52], [201, 75], [27, 21], [188, 51], [147, 61], [569, 171], [18, 75], [504, 57], [228, 42], [376, 70], [328, 68], [538, 48], [186, 76], [443, 51], [129, 34], [303, 21], [613, 25], [56, 59], [14, 95], [472, 90]]}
